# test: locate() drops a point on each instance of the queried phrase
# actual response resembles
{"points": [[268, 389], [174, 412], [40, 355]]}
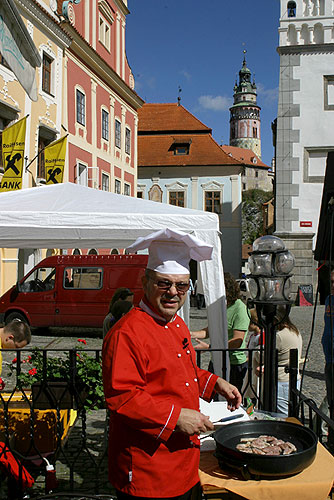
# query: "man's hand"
{"points": [[193, 422], [230, 392]]}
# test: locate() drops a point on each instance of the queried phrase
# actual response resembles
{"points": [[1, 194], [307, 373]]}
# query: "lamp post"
{"points": [[270, 264]]}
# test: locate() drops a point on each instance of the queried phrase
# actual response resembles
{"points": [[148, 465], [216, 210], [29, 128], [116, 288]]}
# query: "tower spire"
{"points": [[245, 121]]}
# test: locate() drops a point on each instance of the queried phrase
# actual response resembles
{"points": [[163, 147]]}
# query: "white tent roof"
{"points": [[72, 216], [69, 215]]}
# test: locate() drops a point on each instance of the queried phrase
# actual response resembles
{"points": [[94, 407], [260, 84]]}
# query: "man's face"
{"points": [[165, 299]]}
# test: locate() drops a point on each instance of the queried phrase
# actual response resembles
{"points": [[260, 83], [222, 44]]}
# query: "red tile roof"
{"points": [[157, 150], [245, 156], [168, 118]]}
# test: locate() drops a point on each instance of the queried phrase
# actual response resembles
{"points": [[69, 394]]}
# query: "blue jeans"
{"points": [[283, 397]]}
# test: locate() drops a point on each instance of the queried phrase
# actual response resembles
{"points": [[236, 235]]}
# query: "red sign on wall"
{"points": [[305, 223]]}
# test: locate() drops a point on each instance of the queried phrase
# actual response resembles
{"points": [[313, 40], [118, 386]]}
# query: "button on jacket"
{"points": [[149, 374]]}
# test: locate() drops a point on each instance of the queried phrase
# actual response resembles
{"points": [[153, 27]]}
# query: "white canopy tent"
{"points": [[72, 216]]}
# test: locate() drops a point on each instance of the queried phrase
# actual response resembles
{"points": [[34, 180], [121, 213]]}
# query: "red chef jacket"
{"points": [[149, 374]]}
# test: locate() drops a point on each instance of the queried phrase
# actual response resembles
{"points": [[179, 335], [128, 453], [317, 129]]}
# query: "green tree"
{"points": [[252, 218]]}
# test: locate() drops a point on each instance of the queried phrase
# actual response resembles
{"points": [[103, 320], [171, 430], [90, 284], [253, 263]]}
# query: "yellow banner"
{"points": [[13, 142], [54, 156]]}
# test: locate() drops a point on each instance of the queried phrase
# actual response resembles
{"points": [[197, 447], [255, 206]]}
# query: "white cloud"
{"points": [[215, 103], [186, 75]]}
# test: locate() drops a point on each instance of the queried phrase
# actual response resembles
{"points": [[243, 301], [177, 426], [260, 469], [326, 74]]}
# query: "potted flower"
{"points": [[70, 380]]}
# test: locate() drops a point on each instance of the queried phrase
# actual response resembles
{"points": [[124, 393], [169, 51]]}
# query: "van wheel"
{"points": [[15, 315]]}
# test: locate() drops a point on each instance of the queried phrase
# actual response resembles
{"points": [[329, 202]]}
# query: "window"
{"points": [[82, 174], [92, 251], [291, 9], [256, 173], [181, 150], [140, 194], [176, 198], [254, 132], [117, 186], [328, 92], [127, 189], [81, 111], [88, 278], [117, 133], [40, 280], [104, 33], [105, 182], [46, 73], [105, 125], [127, 141], [213, 201]]}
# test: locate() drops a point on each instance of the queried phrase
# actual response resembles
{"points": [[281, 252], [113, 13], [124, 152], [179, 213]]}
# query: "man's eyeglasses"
{"points": [[165, 285]]}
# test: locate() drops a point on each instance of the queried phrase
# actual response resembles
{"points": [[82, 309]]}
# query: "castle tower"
{"points": [[245, 121], [305, 122]]}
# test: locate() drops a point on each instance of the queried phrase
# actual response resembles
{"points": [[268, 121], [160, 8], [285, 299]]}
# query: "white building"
{"points": [[305, 124]]}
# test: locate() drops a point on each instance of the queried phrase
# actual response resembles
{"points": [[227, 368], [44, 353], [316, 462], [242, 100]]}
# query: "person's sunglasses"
{"points": [[165, 285]]}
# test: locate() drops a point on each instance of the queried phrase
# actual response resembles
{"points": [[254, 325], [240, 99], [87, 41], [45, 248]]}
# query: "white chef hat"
{"points": [[170, 251]]}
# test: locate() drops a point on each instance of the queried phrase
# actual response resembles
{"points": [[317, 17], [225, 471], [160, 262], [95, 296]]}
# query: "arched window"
{"points": [[291, 9], [76, 251], [318, 33], [305, 34], [92, 251], [292, 35], [114, 251]]}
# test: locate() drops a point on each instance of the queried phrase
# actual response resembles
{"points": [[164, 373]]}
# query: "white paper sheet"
{"points": [[215, 411]]}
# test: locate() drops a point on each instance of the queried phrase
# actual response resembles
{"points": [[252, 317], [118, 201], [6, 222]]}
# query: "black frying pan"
{"points": [[256, 466]]}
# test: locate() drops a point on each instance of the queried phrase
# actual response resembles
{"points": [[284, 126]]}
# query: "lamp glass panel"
{"points": [[260, 264], [284, 262], [271, 288], [287, 289], [253, 288], [268, 243]]}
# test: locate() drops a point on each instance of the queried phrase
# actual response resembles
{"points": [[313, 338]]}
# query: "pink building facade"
{"points": [[101, 111]]}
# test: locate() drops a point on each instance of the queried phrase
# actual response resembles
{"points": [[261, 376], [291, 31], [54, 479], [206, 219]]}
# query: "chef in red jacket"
{"points": [[151, 381]]}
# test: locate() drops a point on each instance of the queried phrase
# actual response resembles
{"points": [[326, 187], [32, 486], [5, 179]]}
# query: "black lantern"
{"points": [[270, 264]]}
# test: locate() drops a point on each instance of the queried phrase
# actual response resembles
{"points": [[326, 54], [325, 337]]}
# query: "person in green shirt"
{"points": [[237, 324]]}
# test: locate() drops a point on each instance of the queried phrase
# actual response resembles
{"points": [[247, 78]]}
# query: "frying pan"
{"points": [[254, 466]]}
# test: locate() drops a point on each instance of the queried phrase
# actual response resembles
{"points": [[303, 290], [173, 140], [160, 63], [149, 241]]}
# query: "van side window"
{"points": [[42, 279], [83, 278]]}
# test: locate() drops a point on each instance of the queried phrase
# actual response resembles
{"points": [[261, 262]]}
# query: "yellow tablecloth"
{"points": [[313, 483]]}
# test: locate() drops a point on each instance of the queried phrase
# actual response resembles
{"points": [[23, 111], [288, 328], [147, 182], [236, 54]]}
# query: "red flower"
{"points": [[29, 359], [2, 384], [33, 371], [83, 341], [14, 360]]}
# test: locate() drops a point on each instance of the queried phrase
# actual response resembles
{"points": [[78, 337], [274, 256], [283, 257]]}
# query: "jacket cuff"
{"points": [[170, 424], [208, 391]]}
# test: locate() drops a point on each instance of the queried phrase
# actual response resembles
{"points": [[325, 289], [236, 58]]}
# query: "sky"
{"points": [[198, 46]]}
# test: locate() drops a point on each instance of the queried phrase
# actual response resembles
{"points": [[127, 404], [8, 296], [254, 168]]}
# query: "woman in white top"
{"points": [[287, 338]]}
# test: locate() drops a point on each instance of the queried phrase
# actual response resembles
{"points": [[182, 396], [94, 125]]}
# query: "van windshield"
{"points": [[43, 278], [84, 278]]}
